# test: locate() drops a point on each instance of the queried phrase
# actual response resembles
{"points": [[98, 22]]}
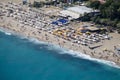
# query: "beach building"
{"points": [[102, 1], [76, 12]]}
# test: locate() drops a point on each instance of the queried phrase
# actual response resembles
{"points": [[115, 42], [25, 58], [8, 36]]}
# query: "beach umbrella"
{"points": [[101, 28], [88, 32], [79, 33], [105, 49]]}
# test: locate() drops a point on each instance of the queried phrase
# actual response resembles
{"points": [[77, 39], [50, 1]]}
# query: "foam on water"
{"points": [[84, 56], [5, 31], [74, 53], [62, 50], [77, 54], [36, 41]]}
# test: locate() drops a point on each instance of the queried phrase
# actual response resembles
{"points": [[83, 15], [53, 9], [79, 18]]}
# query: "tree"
{"points": [[24, 2], [36, 4], [95, 4], [86, 17], [118, 14], [118, 27]]}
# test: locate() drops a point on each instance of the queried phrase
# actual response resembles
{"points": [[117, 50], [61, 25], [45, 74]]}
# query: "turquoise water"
{"points": [[21, 59]]}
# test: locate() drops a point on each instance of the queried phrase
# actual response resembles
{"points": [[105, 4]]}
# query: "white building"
{"points": [[76, 12]]}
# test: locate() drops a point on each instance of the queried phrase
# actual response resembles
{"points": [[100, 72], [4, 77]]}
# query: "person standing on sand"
{"points": [[84, 51], [92, 53], [114, 47]]}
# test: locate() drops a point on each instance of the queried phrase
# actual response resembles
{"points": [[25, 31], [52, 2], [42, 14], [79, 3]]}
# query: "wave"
{"points": [[62, 50], [7, 32], [87, 57], [36, 41]]}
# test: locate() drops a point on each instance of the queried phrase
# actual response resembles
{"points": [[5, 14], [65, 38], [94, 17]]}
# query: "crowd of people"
{"points": [[43, 21], [81, 38]]}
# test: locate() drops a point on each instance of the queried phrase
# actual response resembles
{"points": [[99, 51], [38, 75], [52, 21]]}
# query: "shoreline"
{"points": [[29, 24], [75, 54], [28, 31]]}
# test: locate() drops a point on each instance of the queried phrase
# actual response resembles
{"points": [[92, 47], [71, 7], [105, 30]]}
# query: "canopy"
{"points": [[92, 28], [80, 9], [69, 13]]}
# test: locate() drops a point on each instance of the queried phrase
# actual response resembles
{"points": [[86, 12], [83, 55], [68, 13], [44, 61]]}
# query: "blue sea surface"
{"points": [[21, 59]]}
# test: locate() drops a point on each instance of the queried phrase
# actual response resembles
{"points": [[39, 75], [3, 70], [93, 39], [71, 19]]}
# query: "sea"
{"points": [[24, 58]]}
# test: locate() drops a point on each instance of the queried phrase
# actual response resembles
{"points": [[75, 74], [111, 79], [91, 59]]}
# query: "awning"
{"points": [[92, 28], [69, 13]]}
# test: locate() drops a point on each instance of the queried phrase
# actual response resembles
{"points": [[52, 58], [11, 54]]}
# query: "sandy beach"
{"points": [[45, 36], [99, 53]]}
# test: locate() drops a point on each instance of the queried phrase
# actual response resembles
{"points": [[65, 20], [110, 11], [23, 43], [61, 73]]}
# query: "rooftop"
{"points": [[76, 11], [80, 9]]}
